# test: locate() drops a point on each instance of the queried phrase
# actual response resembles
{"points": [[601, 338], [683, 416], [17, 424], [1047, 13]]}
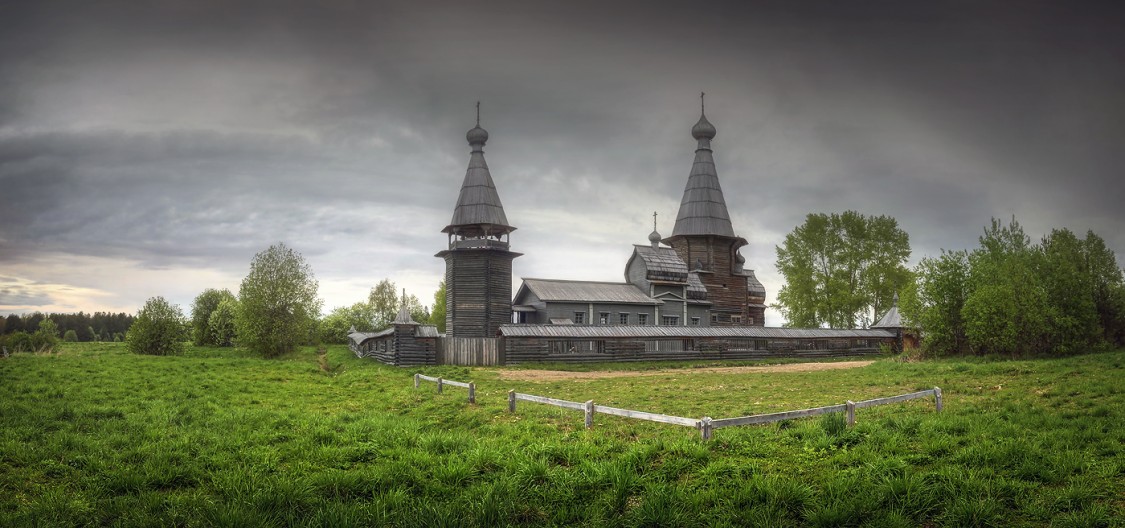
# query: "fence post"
{"points": [[851, 413], [439, 385], [512, 401], [705, 428], [472, 392], [417, 380], [937, 398], [589, 414]]}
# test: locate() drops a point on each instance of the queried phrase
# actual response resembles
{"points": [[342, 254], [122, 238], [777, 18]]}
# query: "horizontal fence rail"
{"points": [[776, 417], [706, 424], [418, 378]]}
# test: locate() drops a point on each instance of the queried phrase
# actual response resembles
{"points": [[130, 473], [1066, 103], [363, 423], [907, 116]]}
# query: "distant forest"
{"points": [[98, 326]]}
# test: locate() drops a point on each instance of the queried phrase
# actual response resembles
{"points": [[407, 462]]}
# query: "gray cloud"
{"points": [[194, 134]]}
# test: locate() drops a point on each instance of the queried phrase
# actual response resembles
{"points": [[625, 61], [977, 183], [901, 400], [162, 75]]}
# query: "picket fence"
{"points": [[705, 425]]}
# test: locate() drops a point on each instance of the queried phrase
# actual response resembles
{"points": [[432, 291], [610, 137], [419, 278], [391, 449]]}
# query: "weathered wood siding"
{"points": [[537, 349], [478, 289], [470, 351], [726, 291]]}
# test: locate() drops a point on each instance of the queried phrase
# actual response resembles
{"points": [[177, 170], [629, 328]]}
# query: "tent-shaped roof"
{"points": [[891, 319], [703, 209], [478, 211]]}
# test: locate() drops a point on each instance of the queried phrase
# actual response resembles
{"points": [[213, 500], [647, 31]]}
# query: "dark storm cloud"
{"points": [[200, 132]]}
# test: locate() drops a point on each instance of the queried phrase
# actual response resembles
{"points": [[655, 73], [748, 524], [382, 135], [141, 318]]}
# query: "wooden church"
{"points": [[685, 296]]}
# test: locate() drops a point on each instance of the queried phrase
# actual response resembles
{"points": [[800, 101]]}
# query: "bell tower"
{"points": [[478, 262]]}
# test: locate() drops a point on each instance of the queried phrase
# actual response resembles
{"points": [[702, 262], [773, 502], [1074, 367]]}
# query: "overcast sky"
{"points": [[152, 148]]}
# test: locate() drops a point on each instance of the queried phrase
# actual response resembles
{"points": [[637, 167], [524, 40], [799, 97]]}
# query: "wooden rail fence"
{"points": [[705, 425]]}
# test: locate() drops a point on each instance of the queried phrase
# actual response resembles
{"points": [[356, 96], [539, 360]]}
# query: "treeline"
{"points": [[81, 326], [1010, 296]]}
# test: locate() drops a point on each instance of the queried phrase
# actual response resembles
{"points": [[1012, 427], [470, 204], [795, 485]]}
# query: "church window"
{"points": [[642, 319], [603, 318], [670, 320], [623, 318], [736, 319], [695, 321], [579, 317]]}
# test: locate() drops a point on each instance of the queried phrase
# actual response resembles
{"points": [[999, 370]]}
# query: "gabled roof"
{"points": [[549, 290]]}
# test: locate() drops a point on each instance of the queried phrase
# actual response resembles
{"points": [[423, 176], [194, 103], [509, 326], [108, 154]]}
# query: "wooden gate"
{"points": [[470, 351]]}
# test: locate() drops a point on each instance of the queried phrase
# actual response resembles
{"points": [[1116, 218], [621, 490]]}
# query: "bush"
{"points": [[220, 325], [201, 309], [70, 336], [278, 304], [159, 329]]}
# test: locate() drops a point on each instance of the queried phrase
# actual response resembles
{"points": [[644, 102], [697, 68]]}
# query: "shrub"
{"points": [[159, 329], [220, 325], [202, 307], [70, 336], [278, 304]]}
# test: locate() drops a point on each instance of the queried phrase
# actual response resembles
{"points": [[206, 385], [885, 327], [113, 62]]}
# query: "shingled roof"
{"points": [[478, 211], [587, 291], [662, 263], [891, 319], [703, 209]]}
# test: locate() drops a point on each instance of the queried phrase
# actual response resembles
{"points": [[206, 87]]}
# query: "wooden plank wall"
{"points": [[470, 351]]}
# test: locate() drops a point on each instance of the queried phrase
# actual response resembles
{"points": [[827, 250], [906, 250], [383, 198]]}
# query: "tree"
{"points": [[941, 290], [201, 309], [159, 329], [841, 270], [221, 330], [278, 302], [437, 316], [335, 326], [13, 323], [383, 300], [70, 336]]}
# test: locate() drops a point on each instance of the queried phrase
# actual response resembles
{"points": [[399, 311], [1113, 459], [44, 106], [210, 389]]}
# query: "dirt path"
{"points": [[553, 375]]}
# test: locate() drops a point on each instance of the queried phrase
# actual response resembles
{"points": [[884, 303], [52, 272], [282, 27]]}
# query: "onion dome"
{"points": [[654, 239], [703, 129], [477, 137]]}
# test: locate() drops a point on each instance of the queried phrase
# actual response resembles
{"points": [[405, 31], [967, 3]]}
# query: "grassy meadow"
{"points": [[96, 436]]}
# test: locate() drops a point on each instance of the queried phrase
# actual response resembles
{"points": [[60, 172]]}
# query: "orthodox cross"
{"points": [[478, 113], [701, 94], [654, 220]]}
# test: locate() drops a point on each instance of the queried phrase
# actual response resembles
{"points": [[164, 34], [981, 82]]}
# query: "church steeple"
{"points": [[478, 213], [478, 263], [703, 210]]}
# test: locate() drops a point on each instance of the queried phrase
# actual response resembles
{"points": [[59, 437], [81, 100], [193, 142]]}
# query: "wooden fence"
{"points": [[469, 351], [705, 425]]}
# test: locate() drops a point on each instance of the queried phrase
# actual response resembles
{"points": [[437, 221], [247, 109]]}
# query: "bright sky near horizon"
{"points": [[153, 148]]}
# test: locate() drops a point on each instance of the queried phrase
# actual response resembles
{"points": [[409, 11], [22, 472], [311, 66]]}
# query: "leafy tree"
{"points": [[70, 336], [48, 328], [201, 309], [841, 270], [383, 300], [13, 323], [1006, 309], [335, 326], [221, 327], [278, 302], [159, 329], [437, 316], [942, 287]]}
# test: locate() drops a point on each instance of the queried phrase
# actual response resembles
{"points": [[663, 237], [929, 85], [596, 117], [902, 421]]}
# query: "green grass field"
{"points": [[96, 436]]}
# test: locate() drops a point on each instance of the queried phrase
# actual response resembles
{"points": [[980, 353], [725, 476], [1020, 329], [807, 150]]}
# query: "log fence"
{"points": [[705, 425]]}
